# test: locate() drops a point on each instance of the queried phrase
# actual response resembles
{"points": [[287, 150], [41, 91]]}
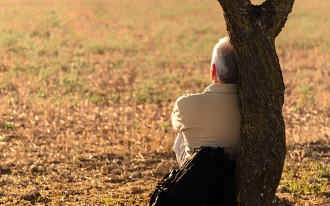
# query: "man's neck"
{"points": [[216, 81]]}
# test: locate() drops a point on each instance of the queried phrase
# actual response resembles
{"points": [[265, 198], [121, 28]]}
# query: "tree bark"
{"points": [[252, 30]]}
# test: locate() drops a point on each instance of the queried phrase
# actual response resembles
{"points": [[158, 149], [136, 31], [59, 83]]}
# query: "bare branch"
{"points": [[236, 7], [228, 5], [283, 8], [269, 18], [237, 12]]}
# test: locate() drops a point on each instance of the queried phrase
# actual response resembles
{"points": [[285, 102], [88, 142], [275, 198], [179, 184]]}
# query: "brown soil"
{"points": [[42, 171]]}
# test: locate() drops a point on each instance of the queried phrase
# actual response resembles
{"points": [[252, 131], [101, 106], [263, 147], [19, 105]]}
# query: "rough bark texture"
{"points": [[262, 148]]}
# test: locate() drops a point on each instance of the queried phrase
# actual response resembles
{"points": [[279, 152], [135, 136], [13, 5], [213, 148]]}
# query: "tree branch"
{"points": [[269, 17], [233, 5], [283, 8], [236, 12]]}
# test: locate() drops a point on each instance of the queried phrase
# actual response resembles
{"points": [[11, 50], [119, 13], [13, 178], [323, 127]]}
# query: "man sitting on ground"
{"points": [[210, 118]]}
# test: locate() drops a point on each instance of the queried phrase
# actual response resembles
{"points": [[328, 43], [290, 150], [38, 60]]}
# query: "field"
{"points": [[87, 88]]}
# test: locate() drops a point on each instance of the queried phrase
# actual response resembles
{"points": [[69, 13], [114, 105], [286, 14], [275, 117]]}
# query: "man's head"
{"points": [[223, 66]]}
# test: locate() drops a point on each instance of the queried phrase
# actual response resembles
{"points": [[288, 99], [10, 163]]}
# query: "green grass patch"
{"points": [[305, 178]]}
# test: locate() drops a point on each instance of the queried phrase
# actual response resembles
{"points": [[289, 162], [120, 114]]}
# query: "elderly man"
{"points": [[210, 118]]}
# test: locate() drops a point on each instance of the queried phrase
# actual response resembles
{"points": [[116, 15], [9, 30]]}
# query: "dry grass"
{"points": [[84, 84]]}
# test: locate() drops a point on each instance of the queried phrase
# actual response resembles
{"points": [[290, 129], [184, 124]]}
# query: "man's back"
{"points": [[209, 119]]}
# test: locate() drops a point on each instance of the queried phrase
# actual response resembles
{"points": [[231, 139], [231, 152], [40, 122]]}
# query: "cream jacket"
{"points": [[210, 118]]}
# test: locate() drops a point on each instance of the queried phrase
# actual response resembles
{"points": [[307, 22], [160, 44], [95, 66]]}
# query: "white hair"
{"points": [[223, 57]]}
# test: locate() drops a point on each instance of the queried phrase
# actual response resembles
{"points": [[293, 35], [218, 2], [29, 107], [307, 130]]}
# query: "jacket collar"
{"points": [[222, 88]]}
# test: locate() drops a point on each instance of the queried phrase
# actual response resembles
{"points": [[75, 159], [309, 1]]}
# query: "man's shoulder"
{"points": [[189, 97]]}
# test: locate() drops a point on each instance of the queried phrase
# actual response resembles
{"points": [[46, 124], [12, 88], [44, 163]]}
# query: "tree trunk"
{"points": [[252, 30]]}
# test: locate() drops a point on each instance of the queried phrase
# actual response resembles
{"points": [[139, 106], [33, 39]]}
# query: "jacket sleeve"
{"points": [[177, 121]]}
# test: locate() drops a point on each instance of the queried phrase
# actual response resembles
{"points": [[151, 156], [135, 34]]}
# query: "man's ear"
{"points": [[214, 70]]}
